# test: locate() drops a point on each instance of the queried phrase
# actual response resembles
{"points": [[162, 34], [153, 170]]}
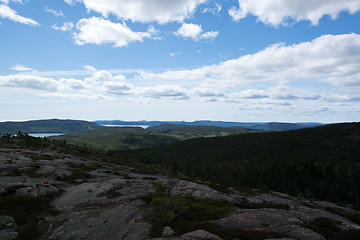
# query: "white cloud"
{"points": [[207, 92], [8, 1], [73, 83], [342, 98], [161, 11], [283, 92], [76, 96], [28, 81], [281, 11], [90, 68], [22, 68], [67, 26], [72, 2], [213, 10], [194, 31], [163, 91], [118, 88], [54, 12], [172, 54], [6, 12], [250, 94], [334, 59], [189, 30], [101, 84], [101, 31], [102, 76], [209, 35]]}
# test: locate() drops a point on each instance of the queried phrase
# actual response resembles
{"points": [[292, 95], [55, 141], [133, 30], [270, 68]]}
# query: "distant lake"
{"points": [[42, 135], [142, 126]]}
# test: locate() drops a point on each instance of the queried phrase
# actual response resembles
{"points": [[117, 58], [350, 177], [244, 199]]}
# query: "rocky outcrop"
{"points": [[270, 220], [181, 187], [37, 190], [199, 235], [98, 199]]}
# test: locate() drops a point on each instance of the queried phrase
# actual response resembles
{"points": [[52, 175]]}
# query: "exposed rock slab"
{"points": [[117, 222], [258, 219], [199, 235]]}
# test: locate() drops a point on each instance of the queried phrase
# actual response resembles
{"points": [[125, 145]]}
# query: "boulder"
{"points": [[168, 232], [181, 187], [199, 235]]}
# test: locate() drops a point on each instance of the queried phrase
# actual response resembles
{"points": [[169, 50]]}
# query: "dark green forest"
{"points": [[316, 163]]}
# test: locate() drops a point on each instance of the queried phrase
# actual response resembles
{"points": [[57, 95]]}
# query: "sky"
{"points": [[185, 60]]}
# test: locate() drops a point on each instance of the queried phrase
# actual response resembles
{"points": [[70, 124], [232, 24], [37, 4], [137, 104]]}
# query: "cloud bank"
{"points": [[279, 71], [161, 11], [334, 59], [281, 12]]}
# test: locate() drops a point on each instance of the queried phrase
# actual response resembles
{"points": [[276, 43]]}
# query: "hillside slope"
{"points": [[321, 162], [189, 131], [118, 138], [46, 126], [51, 190]]}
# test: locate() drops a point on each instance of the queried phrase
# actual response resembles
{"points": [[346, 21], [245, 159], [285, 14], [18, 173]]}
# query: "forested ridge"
{"points": [[320, 163], [46, 126]]}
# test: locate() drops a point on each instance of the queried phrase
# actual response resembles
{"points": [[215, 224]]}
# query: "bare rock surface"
{"points": [[199, 235], [181, 187], [123, 221], [37, 190], [97, 198], [168, 232], [251, 219]]}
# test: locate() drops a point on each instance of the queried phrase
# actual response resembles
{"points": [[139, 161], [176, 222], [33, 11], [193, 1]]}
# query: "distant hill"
{"points": [[118, 138], [273, 126], [277, 126], [47, 126], [321, 162], [129, 138], [190, 131]]}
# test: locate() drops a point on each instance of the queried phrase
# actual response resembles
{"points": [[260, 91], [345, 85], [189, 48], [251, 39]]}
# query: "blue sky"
{"points": [[230, 60]]}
